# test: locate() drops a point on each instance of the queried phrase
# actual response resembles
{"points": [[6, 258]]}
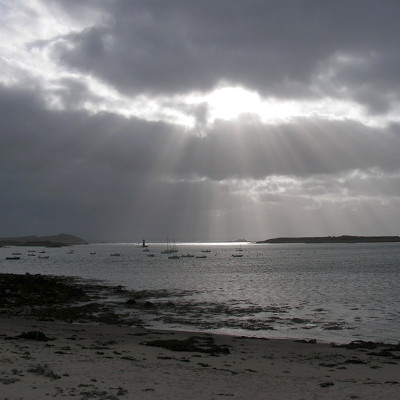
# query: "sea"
{"points": [[328, 292]]}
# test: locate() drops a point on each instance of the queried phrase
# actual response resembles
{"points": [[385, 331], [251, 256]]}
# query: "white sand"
{"points": [[110, 362]]}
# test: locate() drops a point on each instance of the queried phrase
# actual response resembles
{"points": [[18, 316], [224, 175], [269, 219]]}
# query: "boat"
{"points": [[167, 251], [187, 255], [175, 257], [44, 257], [115, 254], [13, 258], [206, 251], [170, 248], [150, 255], [237, 255], [201, 256]]}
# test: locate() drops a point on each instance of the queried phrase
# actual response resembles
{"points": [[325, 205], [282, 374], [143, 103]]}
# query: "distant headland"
{"points": [[59, 240], [333, 239]]}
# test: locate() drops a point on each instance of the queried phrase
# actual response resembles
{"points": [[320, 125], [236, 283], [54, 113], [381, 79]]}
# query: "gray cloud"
{"points": [[276, 49], [104, 176]]}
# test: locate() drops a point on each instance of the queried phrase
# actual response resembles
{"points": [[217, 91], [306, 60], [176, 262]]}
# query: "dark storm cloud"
{"points": [[370, 78], [276, 48], [104, 151], [301, 148]]}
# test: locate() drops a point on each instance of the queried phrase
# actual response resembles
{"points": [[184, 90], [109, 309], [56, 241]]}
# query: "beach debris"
{"points": [[192, 344], [383, 350], [8, 381], [360, 344], [44, 370], [307, 341], [34, 335], [326, 384], [99, 394], [354, 360], [387, 352]]}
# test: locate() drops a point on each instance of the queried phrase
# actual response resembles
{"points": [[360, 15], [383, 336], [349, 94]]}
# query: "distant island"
{"points": [[333, 239], [59, 240]]}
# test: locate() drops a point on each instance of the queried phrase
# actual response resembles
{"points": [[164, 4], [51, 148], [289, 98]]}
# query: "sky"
{"points": [[199, 120]]}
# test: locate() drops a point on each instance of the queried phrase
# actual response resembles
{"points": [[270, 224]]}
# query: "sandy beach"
{"points": [[94, 360]]}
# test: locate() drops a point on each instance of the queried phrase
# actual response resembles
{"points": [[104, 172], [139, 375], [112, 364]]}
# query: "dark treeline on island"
{"points": [[333, 239], [59, 240]]}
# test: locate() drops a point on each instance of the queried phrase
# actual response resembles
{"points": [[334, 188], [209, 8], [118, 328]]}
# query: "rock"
{"points": [[148, 305], [131, 302]]}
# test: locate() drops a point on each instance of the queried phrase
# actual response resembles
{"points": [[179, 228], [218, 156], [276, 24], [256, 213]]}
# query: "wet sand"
{"points": [[87, 361]]}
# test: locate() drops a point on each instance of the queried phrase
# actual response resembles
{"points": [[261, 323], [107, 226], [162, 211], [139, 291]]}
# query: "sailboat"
{"points": [[174, 248], [170, 248]]}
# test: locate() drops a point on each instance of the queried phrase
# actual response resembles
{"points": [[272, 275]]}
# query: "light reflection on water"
{"points": [[326, 291]]}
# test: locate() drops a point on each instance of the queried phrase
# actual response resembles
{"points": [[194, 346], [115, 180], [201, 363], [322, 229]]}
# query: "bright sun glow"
{"points": [[228, 103]]}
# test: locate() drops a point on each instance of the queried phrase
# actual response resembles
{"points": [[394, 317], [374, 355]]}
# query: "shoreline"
{"points": [[72, 298], [58, 339]]}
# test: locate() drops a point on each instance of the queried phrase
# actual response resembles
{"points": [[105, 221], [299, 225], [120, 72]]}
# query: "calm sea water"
{"points": [[330, 292]]}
